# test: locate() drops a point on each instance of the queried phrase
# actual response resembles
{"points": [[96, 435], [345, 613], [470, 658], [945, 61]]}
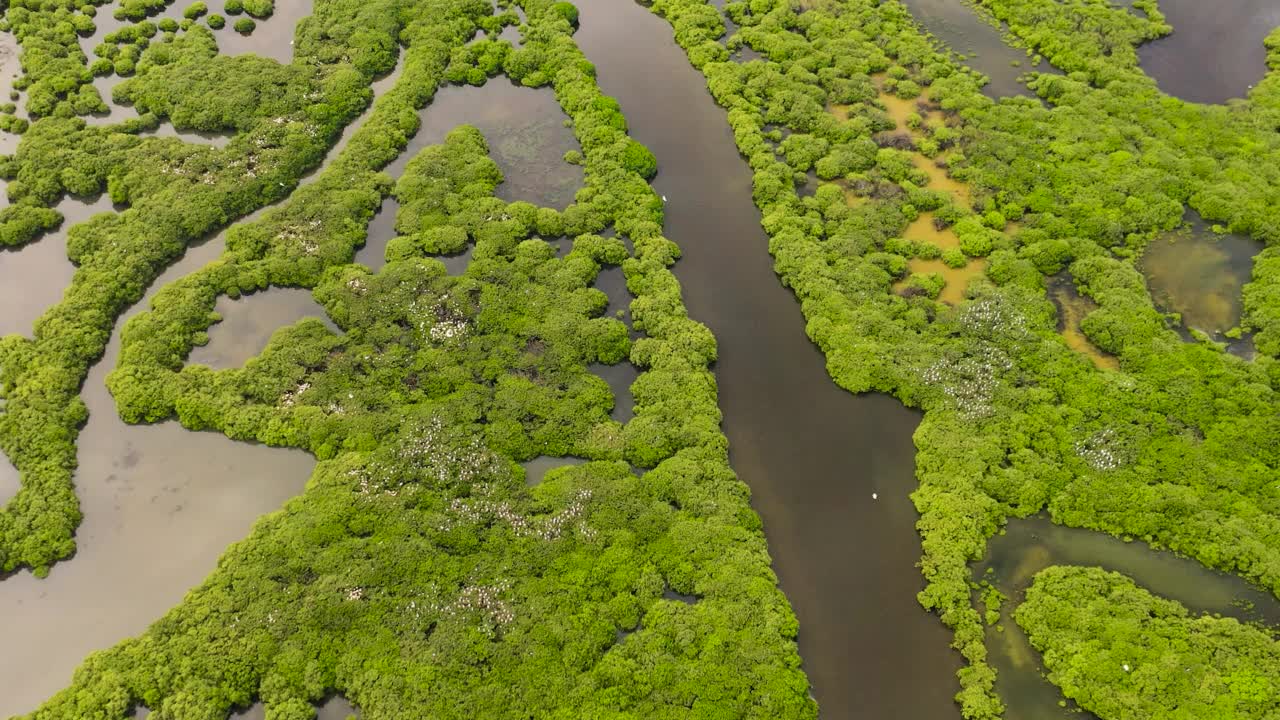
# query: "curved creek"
{"points": [[1030, 545], [162, 503]]}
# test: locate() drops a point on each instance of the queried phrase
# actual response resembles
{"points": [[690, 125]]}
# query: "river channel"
{"points": [[830, 473], [812, 453]]}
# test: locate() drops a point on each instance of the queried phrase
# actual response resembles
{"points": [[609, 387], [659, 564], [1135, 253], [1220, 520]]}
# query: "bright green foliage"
{"points": [[195, 10], [216, 22], [1095, 38], [259, 8], [245, 25], [418, 575], [1176, 448], [234, 7], [174, 193], [54, 72], [1125, 654], [139, 9], [567, 11]]}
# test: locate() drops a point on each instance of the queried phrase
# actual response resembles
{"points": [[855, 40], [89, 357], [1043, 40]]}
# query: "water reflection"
{"points": [[811, 453], [160, 505], [619, 377], [957, 25], [8, 480], [1200, 274], [1031, 545], [535, 470], [613, 283], [1215, 51], [34, 276], [1072, 308], [527, 136], [248, 323], [336, 708], [272, 39]]}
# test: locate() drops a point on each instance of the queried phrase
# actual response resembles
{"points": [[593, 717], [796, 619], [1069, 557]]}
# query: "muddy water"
{"points": [[248, 323], [1199, 274], [8, 480], [962, 30], [160, 505], [33, 277], [527, 138], [1072, 308], [956, 279], [1215, 51], [272, 39], [10, 70], [1032, 544], [535, 470], [811, 453]]}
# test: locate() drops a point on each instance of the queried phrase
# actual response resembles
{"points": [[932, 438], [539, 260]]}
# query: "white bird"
{"points": [[664, 198], [1126, 667], [875, 496]]}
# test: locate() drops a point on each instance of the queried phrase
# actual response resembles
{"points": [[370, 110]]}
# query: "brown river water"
{"points": [[162, 503]]}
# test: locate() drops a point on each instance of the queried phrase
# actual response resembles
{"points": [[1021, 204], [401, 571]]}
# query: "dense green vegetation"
{"points": [[170, 194], [1125, 654], [1178, 446], [418, 575]]}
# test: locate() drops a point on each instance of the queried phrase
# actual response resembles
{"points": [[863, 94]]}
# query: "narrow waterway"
{"points": [[34, 277], [8, 480], [1033, 544], [161, 504], [812, 453]]}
